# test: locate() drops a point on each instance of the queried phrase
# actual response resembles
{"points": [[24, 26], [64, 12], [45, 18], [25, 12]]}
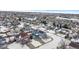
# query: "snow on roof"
{"points": [[3, 29]]}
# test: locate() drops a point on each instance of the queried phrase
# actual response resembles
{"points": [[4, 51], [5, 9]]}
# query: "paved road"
{"points": [[53, 44]]}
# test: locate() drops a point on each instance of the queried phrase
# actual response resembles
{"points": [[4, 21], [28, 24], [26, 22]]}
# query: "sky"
{"points": [[58, 11], [51, 6]]}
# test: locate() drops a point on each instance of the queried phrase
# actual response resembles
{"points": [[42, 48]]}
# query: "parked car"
{"points": [[2, 42]]}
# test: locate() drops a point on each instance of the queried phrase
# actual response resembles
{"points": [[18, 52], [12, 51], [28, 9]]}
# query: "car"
{"points": [[2, 40]]}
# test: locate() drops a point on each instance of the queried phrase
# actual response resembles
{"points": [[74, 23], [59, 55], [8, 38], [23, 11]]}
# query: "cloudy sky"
{"points": [[51, 6], [58, 11]]}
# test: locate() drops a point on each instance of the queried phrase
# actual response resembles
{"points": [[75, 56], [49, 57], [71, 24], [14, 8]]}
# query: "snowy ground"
{"points": [[31, 45], [53, 44], [49, 45]]}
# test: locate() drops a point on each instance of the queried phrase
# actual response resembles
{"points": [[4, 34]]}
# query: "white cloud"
{"points": [[25, 5]]}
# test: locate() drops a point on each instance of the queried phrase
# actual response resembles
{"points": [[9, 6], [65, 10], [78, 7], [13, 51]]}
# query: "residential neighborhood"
{"points": [[37, 30]]}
